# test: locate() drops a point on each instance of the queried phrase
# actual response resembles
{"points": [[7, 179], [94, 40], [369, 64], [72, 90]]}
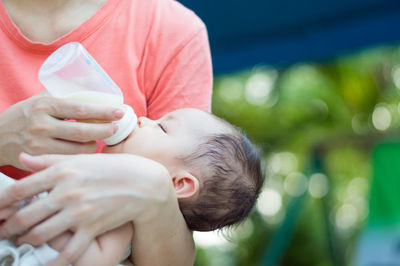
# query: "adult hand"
{"points": [[38, 126], [89, 194]]}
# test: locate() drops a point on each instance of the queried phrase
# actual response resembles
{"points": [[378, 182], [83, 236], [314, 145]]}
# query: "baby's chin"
{"points": [[117, 148], [111, 149]]}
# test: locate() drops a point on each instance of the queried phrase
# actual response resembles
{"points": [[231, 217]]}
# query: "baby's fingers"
{"points": [[74, 249]]}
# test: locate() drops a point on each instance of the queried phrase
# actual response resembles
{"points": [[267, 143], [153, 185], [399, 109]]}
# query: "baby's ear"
{"points": [[186, 185]]}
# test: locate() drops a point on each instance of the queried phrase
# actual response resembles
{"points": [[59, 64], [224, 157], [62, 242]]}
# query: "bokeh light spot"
{"points": [[396, 76], [230, 90], [259, 86], [318, 185], [381, 118], [209, 239], [296, 184], [282, 163], [346, 216], [269, 202]]}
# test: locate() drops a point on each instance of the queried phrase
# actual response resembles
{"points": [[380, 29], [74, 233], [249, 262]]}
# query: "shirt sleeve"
{"points": [[179, 72]]}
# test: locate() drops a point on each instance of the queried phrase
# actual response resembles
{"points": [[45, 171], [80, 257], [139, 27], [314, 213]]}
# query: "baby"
{"points": [[214, 168]]}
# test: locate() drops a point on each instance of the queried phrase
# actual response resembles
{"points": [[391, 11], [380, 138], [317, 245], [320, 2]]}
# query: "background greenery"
{"points": [[316, 124]]}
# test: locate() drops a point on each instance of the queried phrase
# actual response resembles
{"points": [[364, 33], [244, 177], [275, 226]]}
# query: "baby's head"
{"points": [[215, 169]]}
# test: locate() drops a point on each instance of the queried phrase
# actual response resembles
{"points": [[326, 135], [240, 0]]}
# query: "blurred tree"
{"points": [[340, 109]]}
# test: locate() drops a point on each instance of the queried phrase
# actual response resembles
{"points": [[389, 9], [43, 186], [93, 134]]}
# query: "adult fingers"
{"points": [[29, 187], [61, 108], [28, 217], [58, 146], [82, 132], [7, 212], [40, 162], [45, 231], [73, 250], [68, 147]]}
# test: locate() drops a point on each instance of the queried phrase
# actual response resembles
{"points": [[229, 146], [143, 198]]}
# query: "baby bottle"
{"points": [[71, 73]]}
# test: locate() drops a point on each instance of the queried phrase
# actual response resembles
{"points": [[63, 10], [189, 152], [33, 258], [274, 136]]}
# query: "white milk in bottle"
{"points": [[71, 73]]}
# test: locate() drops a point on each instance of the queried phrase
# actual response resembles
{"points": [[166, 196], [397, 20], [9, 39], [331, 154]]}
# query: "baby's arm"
{"points": [[107, 249]]}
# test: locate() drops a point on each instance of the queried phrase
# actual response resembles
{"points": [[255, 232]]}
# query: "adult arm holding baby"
{"points": [[158, 54], [140, 190], [185, 142], [96, 202]]}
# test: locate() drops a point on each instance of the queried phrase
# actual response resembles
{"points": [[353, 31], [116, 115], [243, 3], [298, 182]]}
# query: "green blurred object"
{"points": [[280, 240], [385, 188], [380, 240]]}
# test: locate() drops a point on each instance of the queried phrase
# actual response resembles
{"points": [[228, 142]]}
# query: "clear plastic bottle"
{"points": [[71, 73]]}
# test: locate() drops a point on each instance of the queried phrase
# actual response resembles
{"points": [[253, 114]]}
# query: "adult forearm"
{"points": [[101, 192], [164, 241]]}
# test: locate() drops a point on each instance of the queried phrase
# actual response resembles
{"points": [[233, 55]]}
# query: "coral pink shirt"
{"points": [[156, 51]]}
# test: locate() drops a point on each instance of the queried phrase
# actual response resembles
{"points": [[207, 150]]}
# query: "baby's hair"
{"points": [[231, 181]]}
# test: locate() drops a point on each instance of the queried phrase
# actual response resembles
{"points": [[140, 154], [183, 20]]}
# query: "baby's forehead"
{"points": [[191, 113], [197, 116], [187, 112], [204, 124]]}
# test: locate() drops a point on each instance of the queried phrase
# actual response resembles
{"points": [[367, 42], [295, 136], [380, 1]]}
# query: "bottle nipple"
{"points": [[125, 126]]}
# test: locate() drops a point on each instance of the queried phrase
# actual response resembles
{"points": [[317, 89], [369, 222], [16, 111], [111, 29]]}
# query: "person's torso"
{"points": [[133, 40], [104, 35]]}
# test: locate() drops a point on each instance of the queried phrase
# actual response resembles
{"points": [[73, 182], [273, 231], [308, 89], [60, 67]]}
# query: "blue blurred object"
{"points": [[245, 33]]}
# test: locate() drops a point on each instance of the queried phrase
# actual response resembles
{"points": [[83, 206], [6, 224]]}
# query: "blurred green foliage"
{"points": [[308, 118]]}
